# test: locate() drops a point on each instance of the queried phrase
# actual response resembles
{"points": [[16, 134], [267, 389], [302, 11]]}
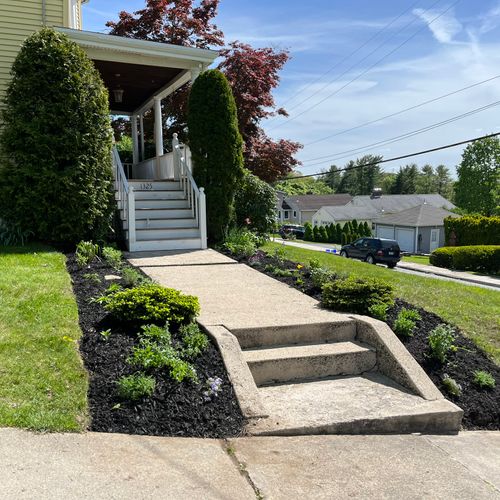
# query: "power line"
{"points": [[391, 140], [368, 69], [402, 157], [411, 108], [345, 58]]}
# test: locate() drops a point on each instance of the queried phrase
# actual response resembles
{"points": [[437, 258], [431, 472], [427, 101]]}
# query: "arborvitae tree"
{"points": [[330, 229], [316, 233], [368, 229], [308, 235], [338, 231], [343, 239], [216, 148], [56, 181], [354, 225], [323, 234]]}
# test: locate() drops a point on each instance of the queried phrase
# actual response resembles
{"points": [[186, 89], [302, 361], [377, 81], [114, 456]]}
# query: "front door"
{"points": [[434, 239]]}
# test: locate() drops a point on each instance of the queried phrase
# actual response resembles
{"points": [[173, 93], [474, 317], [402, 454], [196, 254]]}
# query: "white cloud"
{"points": [[490, 20], [443, 28]]}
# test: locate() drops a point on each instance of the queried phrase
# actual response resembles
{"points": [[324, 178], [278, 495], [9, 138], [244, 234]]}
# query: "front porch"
{"points": [[160, 205]]}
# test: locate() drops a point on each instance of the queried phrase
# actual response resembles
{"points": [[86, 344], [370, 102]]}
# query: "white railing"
{"points": [[125, 198], [196, 196]]}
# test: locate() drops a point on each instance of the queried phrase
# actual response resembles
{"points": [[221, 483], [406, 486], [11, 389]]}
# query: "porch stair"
{"points": [[319, 380]]}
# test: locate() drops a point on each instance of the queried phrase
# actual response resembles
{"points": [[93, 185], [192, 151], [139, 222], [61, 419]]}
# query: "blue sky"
{"points": [[410, 55]]}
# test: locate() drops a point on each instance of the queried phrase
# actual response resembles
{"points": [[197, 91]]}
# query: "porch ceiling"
{"points": [[139, 82]]}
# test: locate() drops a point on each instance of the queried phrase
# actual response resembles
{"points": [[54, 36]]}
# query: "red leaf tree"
{"points": [[252, 73]]}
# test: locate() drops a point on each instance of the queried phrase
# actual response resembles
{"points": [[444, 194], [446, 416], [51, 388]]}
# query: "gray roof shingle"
{"points": [[420, 216]]}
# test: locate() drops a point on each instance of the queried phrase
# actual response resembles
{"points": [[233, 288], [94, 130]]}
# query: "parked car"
{"points": [[287, 230], [373, 251]]}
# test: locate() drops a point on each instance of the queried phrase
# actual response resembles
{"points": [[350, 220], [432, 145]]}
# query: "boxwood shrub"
{"points": [[473, 229], [356, 295], [468, 258], [152, 304]]}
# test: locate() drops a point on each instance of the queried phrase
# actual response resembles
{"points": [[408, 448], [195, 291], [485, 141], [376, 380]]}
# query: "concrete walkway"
{"points": [[489, 282], [117, 466]]}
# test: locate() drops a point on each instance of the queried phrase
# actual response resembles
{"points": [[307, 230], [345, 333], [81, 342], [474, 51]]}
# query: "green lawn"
{"points": [[43, 385], [474, 310], [418, 259]]}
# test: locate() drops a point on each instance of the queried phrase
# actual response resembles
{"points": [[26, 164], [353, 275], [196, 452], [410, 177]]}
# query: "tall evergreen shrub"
{"points": [[216, 147], [57, 139]]}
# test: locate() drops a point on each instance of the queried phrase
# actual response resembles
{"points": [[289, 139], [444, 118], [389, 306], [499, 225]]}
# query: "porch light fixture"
{"points": [[118, 94]]}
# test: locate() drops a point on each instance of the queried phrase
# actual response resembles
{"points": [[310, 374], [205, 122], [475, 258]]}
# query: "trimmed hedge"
{"points": [[468, 258], [356, 295], [473, 230]]}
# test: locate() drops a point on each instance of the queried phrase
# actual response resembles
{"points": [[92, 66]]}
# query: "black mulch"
{"points": [[175, 409], [481, 406]]}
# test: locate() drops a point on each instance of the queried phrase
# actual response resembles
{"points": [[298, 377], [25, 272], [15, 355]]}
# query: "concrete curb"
{"points": [[238, 371]]}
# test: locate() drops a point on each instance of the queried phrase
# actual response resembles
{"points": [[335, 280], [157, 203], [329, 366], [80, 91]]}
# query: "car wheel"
{"points": [[343, 253], [392, 265], [370, 259]]}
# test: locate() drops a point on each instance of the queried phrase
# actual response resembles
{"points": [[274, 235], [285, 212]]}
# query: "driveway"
{"points": [[488, 282]]}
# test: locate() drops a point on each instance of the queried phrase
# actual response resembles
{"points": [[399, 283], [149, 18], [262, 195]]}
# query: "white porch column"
{"points": [[158, 127], [195, 73], [141, 127], [135, 139]]}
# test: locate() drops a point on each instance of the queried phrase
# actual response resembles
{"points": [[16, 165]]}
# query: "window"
{"points": [[294, 214], [287, 214]]}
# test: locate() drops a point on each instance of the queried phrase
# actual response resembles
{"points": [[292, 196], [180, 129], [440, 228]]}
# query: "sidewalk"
{"points": [[488, 281], [118, 466]]}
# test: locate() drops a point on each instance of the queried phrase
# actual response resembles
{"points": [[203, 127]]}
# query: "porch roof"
{"points": [[142, 69]]}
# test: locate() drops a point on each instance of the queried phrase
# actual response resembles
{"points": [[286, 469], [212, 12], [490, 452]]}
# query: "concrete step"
{"points": [[166, 244], [161, 213], [152, 185], [162, 223], [300, 362], [308, 333], [160, 195], [368, 404], [162, 204], [170, 233]]}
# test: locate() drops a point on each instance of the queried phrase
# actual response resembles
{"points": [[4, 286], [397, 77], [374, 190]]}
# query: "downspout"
{"points": [[416, 240], [44, 12]]}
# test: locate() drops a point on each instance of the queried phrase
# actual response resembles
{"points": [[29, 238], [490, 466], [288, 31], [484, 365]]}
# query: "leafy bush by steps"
{"points": [[241, 242], [356, 295]]}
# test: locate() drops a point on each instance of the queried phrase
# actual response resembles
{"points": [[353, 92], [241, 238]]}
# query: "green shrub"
{"points": [[356, 295], [314, 264], [452, 386], [155, 332], [216, 148], [56, 181], [323, 234], [321, 275], [483, 379], [152, 304], [136, 386], [12, 234], [343, 239], [468, 258], [441, 342], [125, 149], [410, 314], [403, 327], [93, 277], [255, 203], [308, 234], [241, 242], [86, 252], [473, 230], [113, 257], [378, 311], [195, 341], [316, 233], [132, 277]]}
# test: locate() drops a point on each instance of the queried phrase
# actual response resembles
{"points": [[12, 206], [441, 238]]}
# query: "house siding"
{"points": [[18, 20]]}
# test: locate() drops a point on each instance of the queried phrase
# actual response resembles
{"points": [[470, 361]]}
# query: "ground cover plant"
{"points": [[147, 376], [471, 309], [43, 385], [439, 346]]}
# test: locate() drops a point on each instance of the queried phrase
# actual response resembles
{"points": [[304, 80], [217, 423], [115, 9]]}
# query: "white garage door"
{"points": [[405, 239], [385, 232]]}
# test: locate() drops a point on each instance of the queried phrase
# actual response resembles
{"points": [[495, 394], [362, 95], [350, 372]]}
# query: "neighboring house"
{"points": [[418, 229], [340, 215], [165, 210], [298, 209]]}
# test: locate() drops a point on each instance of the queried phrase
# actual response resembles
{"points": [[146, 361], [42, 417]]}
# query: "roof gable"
{"points": [[421, 216]]}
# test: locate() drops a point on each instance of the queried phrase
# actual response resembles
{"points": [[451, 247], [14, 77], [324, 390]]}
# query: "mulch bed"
{"points": [[175, 409], [481, 406]]}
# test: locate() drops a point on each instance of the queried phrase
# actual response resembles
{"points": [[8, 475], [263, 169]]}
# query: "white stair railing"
{"points": [[195, 196], [125, 198]]}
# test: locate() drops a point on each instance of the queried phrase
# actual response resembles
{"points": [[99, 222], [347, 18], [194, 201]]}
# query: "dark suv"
{"points": [[287, 230], [373, 251]]}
